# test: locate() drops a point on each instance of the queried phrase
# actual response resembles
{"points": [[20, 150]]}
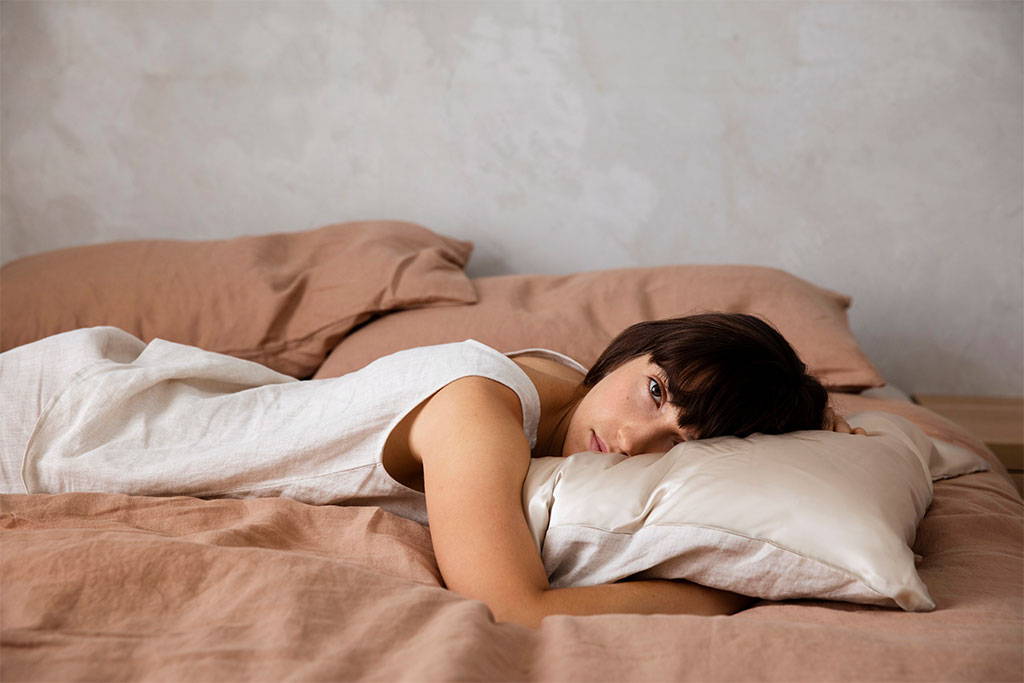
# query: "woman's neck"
{"points": [[555, 441], [560, 390]]}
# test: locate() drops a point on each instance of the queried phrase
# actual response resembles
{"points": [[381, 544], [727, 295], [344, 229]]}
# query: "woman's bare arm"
{"points": [[475, 457], [643, 597]]}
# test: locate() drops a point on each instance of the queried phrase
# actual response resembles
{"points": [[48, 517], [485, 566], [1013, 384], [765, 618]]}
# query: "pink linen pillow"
{"points": [[579, 314], [283, 300]]}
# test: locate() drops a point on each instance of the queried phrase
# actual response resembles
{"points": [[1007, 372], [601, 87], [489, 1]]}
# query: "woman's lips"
{"points": [[596, 444]]}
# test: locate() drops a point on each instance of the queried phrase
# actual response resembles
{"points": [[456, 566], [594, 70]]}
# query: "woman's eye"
{"points": [[655, 389]]}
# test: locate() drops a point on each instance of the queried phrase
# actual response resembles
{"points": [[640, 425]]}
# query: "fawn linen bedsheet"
{"points": [[115, 587]]}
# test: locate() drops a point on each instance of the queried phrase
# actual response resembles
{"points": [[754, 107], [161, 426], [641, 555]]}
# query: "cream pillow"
{"points": [[810, 514]]}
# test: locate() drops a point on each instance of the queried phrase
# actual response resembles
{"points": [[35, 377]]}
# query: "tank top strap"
{"points": [[553, 355]]}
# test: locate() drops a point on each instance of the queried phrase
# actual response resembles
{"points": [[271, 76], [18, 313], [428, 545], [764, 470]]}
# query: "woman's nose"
{"points": [[645, 438]]}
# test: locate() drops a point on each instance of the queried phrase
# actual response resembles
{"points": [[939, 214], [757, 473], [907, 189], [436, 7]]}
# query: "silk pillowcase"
{"points": [[812, 514]]}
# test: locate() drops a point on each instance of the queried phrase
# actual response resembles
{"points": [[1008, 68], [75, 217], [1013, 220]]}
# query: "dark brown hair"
{"points": [[731, 374]]}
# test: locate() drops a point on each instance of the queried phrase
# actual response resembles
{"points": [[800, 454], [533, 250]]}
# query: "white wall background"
{"points": [[874, 148]]}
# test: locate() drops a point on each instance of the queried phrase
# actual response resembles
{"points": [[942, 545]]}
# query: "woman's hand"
{"points": [[836, 423]]}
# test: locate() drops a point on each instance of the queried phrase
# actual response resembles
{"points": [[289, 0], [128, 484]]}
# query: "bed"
{"points": [[99, 586]]}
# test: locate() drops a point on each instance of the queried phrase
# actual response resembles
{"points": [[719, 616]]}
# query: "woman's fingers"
{"points": [[837, 424]]}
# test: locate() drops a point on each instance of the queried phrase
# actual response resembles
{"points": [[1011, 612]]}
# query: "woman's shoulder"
{"points": [[468, 410], [468, 404]]}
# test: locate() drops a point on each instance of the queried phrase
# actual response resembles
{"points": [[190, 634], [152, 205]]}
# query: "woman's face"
{"points": [[628, 411]]}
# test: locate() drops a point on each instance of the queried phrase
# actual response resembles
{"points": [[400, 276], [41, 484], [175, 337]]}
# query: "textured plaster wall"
{"points": [[870, 147]]}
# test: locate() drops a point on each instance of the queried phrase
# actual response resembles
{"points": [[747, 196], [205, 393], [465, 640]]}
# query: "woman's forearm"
{"points": [[633, 597]]}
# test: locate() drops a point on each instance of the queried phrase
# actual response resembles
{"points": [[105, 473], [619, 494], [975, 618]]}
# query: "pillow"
{"points": [[811, 514], [580, 314], [283, 300]]}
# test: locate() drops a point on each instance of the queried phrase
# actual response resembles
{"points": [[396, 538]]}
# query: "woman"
{"points": [[443, 432], [657, 384]]}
